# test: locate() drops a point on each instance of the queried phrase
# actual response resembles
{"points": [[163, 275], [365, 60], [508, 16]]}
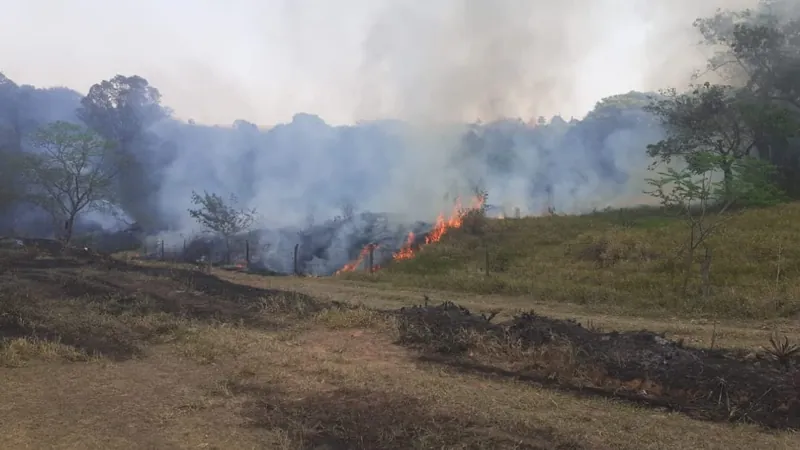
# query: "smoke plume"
{"points": [[424, 102]]}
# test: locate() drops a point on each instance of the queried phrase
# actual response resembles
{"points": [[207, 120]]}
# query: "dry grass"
{"points": [[356, 317], [18, 352], [621, 260], [697, 332], [157, 357]]}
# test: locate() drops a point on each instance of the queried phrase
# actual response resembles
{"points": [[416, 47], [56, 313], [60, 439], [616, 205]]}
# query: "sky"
{"points": [[350, 60]]}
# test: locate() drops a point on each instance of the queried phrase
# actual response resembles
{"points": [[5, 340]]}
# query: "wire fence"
{"points": [[239, 254]]}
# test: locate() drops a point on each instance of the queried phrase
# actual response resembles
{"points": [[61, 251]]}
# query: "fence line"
{"points": [[183, 253]]}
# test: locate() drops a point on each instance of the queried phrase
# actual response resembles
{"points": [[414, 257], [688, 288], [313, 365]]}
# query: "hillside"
{"points": [[625, 261]]}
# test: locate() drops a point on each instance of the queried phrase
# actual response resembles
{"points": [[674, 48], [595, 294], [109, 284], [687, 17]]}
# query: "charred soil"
{"points": [[641, 366]]}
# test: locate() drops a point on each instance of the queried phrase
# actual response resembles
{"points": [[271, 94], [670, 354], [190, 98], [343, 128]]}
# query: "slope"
{"points": [[623, 261]]}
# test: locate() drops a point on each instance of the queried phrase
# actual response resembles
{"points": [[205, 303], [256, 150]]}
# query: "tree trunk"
{"points": [[69, 224], [727, 181], [705, 272], [688, 262], [227, 250]]}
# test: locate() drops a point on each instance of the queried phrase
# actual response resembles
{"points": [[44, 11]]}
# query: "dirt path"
{"points": [[731, 334]]}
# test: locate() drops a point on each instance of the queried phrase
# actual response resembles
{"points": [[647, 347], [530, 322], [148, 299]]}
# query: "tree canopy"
{"points": [[71, 171]]}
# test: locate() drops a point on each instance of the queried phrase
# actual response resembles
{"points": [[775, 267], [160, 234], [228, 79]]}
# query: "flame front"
{"points": [[406, 251], [440, 228], [353, 265]]}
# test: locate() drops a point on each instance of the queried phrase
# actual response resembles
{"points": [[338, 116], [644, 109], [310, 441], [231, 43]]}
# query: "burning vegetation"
{"points": [[413, 244]]}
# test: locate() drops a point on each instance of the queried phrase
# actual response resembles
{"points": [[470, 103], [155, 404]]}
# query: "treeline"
{"points": [[113, 150]]}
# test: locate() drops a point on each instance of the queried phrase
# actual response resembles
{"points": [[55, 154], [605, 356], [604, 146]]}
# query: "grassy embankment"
{"points": [[624, 261]]}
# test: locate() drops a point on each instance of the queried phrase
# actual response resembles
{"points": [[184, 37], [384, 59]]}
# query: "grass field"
{"points": [[619, 261], [101, 353]]}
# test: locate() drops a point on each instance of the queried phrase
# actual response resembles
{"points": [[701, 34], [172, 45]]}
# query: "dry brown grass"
{"points": [[625, 261], [154, 357], [18, 352], [698, 332]]}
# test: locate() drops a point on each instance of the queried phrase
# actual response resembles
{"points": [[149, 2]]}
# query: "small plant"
{"points": [[782, 350], [704, 203], [222, 217]]}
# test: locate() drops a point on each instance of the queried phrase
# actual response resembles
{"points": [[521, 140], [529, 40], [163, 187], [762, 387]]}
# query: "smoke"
{"points": [[413, 76]]}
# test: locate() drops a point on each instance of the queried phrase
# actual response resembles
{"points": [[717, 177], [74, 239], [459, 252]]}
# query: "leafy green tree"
{"points": [[758, 50], [222, 217], [712, 124], [69, 172]]}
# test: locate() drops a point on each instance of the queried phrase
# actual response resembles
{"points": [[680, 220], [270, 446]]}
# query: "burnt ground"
{"points": [[45, 278], [161, 356], [641, 366]]}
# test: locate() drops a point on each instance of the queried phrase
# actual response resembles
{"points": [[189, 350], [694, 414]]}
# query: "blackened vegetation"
{"points": [[101, 305], [350, 419], [641, 366]]}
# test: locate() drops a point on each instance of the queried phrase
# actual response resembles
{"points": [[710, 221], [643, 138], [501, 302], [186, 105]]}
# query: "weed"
{"points": [[782, 350]]}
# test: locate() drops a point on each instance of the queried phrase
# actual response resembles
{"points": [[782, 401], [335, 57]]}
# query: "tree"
{"points": [[122, 110], [703, 202], [221, 216], [69, 172], [711, 124], [9, 187], [758, 50]]}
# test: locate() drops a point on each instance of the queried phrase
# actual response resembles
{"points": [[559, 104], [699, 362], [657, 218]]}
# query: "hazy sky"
{"points": [[345, 60]]}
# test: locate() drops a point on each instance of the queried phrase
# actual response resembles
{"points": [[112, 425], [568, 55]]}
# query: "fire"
{"points": [[441, 227], [405, 251], [353, 265]]}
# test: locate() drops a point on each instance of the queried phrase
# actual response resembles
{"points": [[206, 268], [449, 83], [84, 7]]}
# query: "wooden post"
{"points": [[371, 258], [162, 249], [486, 256], [247, 252], [296, 270]]}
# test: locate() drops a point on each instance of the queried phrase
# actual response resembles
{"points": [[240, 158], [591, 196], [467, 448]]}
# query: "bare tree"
{"points": [[221, 216], [70, 172]]}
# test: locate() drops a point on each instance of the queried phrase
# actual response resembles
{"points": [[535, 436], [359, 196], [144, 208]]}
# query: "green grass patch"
{"points": [[627, 259]]}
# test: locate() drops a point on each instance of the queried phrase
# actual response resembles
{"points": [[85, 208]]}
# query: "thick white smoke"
{"points": [[423, 70]]}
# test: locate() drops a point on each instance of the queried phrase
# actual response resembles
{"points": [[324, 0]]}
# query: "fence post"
{"points": [[296, 270], [183, 254], [486, 256], [371, 258], [247, 252], [162, 250]]}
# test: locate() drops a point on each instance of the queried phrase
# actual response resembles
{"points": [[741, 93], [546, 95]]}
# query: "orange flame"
{"points": [[353, 265], [405, 251], [440, 228]]}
